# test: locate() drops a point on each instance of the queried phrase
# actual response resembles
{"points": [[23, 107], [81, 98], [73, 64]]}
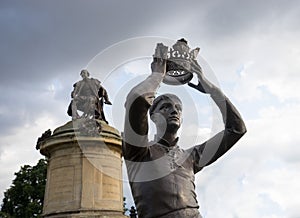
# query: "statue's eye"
{"points": [[164, 106], [178, 107]]}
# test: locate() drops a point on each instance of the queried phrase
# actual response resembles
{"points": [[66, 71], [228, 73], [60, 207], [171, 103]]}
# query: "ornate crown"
{"points": [[179, 58]]}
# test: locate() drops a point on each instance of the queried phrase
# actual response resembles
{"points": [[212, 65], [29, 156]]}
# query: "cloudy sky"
{"points": [[252, 48]]}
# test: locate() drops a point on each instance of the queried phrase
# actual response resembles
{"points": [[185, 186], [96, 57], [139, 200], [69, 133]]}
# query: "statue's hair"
{"points": [[161, 98]]}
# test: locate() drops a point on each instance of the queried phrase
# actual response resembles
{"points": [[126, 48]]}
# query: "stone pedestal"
{"points": [[84, 174]]}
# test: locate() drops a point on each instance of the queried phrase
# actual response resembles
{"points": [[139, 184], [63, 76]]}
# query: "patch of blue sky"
{"points": [[269, 207], [252, 109]]}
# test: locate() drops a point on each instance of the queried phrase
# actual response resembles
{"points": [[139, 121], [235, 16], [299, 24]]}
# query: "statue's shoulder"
{"points": [[77, 84], [95, 81]]}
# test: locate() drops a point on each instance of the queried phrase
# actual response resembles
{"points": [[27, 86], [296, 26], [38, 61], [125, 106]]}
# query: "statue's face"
{"points": [[169, 112], [84, 74]]}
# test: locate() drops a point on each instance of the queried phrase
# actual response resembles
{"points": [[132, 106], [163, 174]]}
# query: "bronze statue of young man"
{"points": [[161, 174]]}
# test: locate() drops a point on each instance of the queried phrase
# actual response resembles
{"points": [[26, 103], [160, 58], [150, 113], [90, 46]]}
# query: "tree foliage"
{"points": [[125, 209], [24, 199]]}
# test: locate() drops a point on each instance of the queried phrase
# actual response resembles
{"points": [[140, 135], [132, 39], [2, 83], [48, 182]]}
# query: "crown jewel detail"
{"points": [[179, 61]]}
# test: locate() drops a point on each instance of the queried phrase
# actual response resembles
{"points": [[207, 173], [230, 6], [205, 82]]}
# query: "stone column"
{"points": [[84, 174]]}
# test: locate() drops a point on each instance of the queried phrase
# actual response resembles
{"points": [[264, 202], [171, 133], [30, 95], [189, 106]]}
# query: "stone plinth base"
{"points": [[84, 174]]}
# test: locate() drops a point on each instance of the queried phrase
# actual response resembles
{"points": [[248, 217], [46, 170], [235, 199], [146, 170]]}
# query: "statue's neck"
{"points": [[168, 137]]}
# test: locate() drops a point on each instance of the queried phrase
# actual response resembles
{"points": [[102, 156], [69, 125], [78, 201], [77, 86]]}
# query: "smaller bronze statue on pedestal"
{"points": [[88, 97]]}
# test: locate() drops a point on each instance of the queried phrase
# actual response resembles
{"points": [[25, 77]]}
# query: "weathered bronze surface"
{"points": [[88, 97], [161, 174]]}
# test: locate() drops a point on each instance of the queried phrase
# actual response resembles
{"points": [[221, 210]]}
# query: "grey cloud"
{"points": [[44, 36], [222, 19], [41, 41], [22, 106], [53, 40], [74, 25]]}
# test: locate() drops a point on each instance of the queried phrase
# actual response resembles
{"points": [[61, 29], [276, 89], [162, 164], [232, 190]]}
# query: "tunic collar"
{"points": [[164, 142]]}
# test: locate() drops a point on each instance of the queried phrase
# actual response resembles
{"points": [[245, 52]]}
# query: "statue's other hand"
{"points": [[203, 84], [199, 86], [196, 68]]}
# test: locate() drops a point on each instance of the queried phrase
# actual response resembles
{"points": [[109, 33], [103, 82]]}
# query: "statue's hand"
{"points": [[199, 87], [203, 84], [161, 51], [158, 66], [159, 59], [196, 68]]}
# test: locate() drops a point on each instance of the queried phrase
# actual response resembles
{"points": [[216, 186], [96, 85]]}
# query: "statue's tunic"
{"points": [[162, 175], [162, 182]]}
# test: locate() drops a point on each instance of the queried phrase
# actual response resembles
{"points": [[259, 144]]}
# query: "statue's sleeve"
{"points": [[208, 152], [75, 89], [97, 82], [138, 102]]}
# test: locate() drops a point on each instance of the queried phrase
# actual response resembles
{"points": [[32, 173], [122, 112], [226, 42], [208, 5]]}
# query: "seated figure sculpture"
{"points": [[88, 96], [161, 174]]}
